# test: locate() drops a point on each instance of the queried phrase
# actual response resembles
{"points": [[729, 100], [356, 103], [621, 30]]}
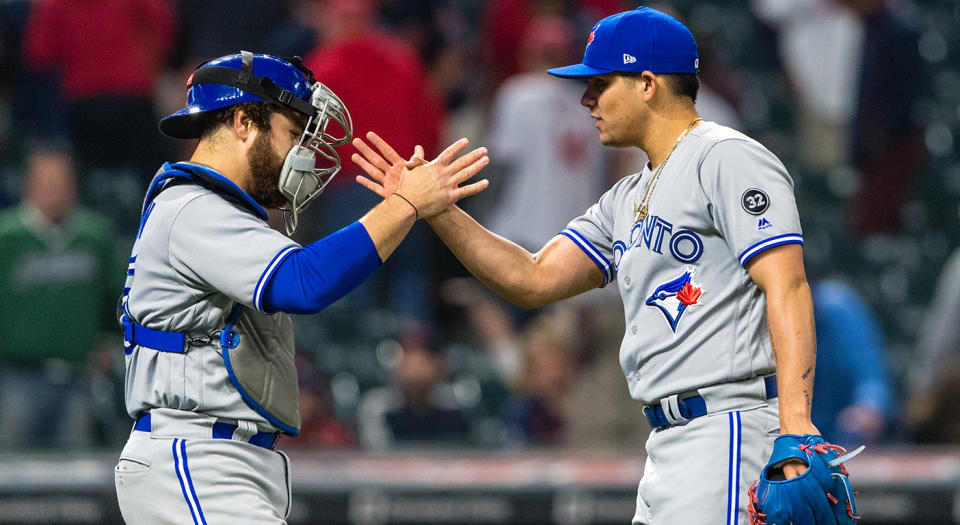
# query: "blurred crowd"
{"points": [[860, 98]]}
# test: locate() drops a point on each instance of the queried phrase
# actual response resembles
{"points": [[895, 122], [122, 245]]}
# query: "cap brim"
{"points": [[184, 124], [577, 71]]}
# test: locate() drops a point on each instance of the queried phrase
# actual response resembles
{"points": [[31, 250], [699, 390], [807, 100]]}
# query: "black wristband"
{"points": [[416, 213]]}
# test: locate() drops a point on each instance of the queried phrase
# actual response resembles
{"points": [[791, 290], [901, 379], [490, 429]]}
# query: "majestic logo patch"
{"points": [[763, 224], [675, 296], [755, 201], [629, 59]]}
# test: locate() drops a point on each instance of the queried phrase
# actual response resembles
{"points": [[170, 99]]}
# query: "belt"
{"points": [[221, 430], [673, 410]]}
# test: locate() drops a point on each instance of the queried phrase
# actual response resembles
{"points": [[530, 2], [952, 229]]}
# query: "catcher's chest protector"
{"points": [[261, 366]]}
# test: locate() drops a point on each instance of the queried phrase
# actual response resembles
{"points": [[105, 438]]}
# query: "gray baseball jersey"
{"points": [[694, 317], [196, 255]]}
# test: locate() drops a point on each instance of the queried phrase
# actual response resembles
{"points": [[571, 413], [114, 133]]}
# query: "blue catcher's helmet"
{"points": [[284, 82]]}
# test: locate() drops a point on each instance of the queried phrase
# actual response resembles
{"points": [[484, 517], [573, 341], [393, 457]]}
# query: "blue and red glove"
{"points": [[822, 495]]}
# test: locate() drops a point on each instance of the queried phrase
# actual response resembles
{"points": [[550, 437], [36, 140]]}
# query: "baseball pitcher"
{"points": [[705, 246]]}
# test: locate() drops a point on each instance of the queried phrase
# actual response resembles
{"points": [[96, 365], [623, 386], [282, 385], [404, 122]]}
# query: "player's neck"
{"points": [[234, 167], [664, 132]]}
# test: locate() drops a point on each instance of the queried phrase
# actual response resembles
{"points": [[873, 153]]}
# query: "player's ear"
{"points": [[647, 84], [242, 124]]}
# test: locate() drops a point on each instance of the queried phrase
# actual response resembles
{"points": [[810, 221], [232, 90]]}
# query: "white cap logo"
{"points": [[628, 59]]}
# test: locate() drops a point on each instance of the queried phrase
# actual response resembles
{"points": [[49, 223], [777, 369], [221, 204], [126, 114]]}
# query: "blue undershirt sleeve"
{"points": [[311, 278]]}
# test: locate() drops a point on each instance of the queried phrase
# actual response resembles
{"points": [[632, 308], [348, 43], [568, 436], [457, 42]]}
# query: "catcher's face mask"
{"points": [[312, 164]]}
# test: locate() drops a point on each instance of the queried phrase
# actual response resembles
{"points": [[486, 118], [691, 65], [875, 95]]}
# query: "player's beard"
{"points": [[265, 165]]}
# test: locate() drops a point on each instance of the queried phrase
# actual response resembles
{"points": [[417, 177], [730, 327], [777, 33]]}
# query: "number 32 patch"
{"points": [[755, 201]]}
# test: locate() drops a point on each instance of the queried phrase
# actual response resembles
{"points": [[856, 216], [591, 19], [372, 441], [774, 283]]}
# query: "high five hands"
{"points": [[430, 187]]}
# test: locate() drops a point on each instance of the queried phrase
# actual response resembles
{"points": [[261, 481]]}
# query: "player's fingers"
{"points": [[385, 149], [465, 160], [447, 156], [372, 157], [472, 169], [374, 172], [418, 158], [470, 189], [372, 186]]}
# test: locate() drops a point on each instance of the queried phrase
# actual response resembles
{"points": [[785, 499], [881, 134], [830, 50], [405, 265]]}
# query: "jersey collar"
{"points": [[207, 177]]}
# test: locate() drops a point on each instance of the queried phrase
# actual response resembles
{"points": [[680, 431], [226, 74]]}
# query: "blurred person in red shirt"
{"points": [[385, 84], [505, 23], [382, 79], [107, 54]]}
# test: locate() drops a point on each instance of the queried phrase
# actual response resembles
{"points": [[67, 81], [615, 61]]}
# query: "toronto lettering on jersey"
{"points": [[656, 234]]}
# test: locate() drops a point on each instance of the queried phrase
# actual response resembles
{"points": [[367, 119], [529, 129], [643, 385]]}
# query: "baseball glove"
{"points": [[822, 495]]}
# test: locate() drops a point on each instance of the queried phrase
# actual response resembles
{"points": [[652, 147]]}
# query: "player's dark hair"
{"points": [[680, 84], [683, 84], [259, 113]]}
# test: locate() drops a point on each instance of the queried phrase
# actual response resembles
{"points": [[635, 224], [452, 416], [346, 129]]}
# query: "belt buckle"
{"points": [[671, 410]]}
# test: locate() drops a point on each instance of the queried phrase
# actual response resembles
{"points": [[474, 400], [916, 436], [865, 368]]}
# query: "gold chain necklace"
{"points": [[640, 212]]}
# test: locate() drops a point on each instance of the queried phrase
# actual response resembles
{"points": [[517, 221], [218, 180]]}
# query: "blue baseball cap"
{"points": [[643, 39]]}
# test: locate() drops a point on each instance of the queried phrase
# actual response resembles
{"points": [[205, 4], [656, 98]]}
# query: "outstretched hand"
{"points": [[430, 186], [384, 168]]}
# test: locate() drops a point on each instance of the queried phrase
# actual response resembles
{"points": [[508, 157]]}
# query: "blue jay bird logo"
{"points": [[675, 296]]}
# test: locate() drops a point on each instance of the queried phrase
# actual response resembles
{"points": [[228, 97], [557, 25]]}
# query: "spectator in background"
{"points": [[108, 54], [297, 34], [580, 401], [319, 426], [58, 276], [439, 31], [932, 415], [418, 409], [938, 339], [542, 146], [934, 382], [852, 395], [888, 148], [31, 98], [214, 28], [384, 83], [505, 24], [536, 413], [820, 44]]}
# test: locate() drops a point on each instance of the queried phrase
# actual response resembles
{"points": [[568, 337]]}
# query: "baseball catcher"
{"points": [[822, 495]]}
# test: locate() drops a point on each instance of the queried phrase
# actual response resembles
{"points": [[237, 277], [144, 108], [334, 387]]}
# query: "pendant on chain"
{"points": [[639, 213]]}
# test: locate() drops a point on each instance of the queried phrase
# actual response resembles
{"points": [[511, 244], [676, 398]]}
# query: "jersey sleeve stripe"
{"points": [[591, 252], [766, 244], [267, 273]]}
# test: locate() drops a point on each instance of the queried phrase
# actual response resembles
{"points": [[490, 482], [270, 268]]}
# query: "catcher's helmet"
{"points": [[284, 82]]}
